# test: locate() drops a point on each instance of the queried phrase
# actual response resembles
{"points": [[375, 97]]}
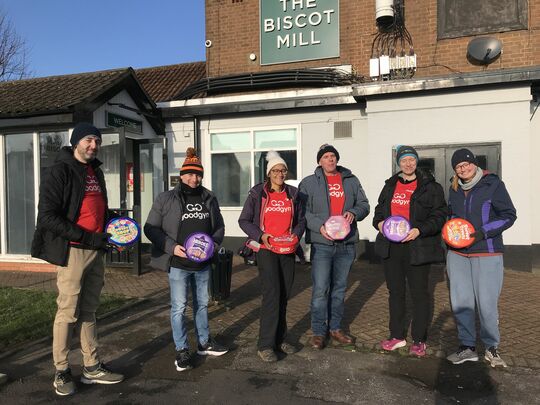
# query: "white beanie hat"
{"points": [[273, 158]]}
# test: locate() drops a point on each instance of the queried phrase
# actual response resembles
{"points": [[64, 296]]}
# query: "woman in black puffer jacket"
{"points": [[416, 196]]}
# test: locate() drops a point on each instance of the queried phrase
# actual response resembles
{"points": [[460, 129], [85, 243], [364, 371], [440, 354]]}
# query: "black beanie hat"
{"points": [[405, 150], [327, 148], [463, 155], [81, 130]]}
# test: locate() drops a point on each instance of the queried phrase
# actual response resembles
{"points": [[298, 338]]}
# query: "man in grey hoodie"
{"points": [[331, 190]]}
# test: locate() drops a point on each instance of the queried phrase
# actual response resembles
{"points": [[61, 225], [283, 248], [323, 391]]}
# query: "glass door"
{"points": [[113, 156], [148, 174]]}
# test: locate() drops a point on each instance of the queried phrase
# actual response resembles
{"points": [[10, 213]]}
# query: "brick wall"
{"points": [[233, 28], [26, 266]]}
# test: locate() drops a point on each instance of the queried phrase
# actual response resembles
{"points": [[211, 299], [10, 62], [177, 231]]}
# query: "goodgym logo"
{"points": [[277, 206], [195, 212], [334, 190]]}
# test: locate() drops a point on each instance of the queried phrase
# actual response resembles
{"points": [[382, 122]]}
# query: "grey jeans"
{"points": [[476, 282]]}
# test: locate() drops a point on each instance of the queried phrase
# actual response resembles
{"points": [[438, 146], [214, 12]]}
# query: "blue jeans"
{"points": [[476, 282], [330, 266], [179, 282]]}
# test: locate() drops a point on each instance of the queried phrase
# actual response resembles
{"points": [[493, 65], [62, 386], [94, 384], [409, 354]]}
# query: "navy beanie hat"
{"points": [[81, 130], [327, 148], [405, 150], [463, 155]]}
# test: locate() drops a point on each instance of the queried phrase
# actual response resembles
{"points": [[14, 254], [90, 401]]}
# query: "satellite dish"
{"points": [[484, 50]]}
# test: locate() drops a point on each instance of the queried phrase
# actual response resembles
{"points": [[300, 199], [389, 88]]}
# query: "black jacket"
{"points": [[428, 212], [60, 197], [164, 221]]}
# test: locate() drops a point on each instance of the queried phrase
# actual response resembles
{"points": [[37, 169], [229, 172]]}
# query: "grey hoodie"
{"points": [[315, 192]]}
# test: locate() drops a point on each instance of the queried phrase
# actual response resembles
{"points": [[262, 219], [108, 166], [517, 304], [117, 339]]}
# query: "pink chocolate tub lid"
{"points": [[337, 227]]}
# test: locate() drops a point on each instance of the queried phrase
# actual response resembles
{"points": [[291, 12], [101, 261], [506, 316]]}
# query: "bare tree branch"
{"points": [[13, 63]]}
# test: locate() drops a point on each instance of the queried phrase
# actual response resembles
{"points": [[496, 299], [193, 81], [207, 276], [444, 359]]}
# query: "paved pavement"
{"points": [[366, 310], [137, 342]]}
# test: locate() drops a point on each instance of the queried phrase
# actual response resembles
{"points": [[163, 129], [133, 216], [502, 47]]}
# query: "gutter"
{"points": [[503, 76], [260, 102]]}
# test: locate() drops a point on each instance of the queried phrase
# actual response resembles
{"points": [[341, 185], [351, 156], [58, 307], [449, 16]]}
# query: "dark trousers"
{"points": [[398, 272], [276, 273]]}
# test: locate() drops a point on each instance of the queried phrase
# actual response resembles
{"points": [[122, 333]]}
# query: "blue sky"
{"points": [[74, 36]]}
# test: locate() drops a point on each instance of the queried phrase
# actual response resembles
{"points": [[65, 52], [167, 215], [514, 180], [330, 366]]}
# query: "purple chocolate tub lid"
{"points": [[199, 247], [396, 228]]}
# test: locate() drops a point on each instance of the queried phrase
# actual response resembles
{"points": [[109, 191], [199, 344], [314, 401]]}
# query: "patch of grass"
{"points": [[26, 315]]}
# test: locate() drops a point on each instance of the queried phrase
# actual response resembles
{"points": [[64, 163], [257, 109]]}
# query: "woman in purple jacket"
{"points": [[476, 272], [273, 209]]}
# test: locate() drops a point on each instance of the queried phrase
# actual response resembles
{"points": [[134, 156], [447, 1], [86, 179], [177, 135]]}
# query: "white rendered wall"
{"points": [[315, 128], [457, 118], [179, 138], [460, 118], [534, 178], [123, 98]]}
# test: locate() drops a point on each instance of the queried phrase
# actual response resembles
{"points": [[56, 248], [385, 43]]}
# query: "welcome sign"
{"points": [[297, 30]]}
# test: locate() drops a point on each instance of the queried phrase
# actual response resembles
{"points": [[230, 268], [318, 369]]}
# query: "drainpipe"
{"points": [[196, 134]]}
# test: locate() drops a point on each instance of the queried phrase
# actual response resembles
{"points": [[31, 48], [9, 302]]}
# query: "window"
{"points": [[436, 159], [20, 198], [238, 160], [458, 18], [50, 144]]}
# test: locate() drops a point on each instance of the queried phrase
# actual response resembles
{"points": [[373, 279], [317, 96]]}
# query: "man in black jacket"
{"points": [[72, 213]]}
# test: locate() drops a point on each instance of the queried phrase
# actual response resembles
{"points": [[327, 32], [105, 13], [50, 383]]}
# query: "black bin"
{"points": [[220, 286]]}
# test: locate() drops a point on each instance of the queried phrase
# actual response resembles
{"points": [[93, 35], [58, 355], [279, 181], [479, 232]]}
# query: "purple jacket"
{"points": [[489, 208], [252, 215]]}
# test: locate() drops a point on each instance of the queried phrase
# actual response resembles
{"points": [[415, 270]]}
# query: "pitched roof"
{"points": [[163, 83], [56, 93]]}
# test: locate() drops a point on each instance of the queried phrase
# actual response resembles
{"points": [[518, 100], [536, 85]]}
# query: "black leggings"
{"points": [[398, 271], [276, 273]]}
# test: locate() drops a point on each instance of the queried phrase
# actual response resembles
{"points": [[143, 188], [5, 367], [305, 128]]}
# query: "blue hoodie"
{"points": [[489, 208]]}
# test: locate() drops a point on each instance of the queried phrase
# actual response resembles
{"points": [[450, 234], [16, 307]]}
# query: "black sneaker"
{"points": [[183, 360], [212, 348], [101, 375], [63, 383]]}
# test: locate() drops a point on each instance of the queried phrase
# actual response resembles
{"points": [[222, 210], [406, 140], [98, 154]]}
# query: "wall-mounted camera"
{"points": [[208, 43]]}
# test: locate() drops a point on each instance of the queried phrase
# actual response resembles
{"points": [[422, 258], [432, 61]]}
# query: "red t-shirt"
{"points": [[277, 214], [92, 214], [336, 193], [401, 200]]}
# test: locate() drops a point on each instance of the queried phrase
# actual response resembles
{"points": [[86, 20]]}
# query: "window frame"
{"points": [[443, 32], [36, 144], [252, 151]]}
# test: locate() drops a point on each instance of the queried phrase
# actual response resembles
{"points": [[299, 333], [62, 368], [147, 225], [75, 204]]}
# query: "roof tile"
{"points": [[53, 93], [163, 83]]}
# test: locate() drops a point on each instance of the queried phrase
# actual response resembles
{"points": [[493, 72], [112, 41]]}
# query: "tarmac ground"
{"points": [[137, 341]]}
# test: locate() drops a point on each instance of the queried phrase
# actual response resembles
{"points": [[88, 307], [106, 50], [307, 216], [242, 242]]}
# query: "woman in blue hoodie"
{"points": [[476, 272]]}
